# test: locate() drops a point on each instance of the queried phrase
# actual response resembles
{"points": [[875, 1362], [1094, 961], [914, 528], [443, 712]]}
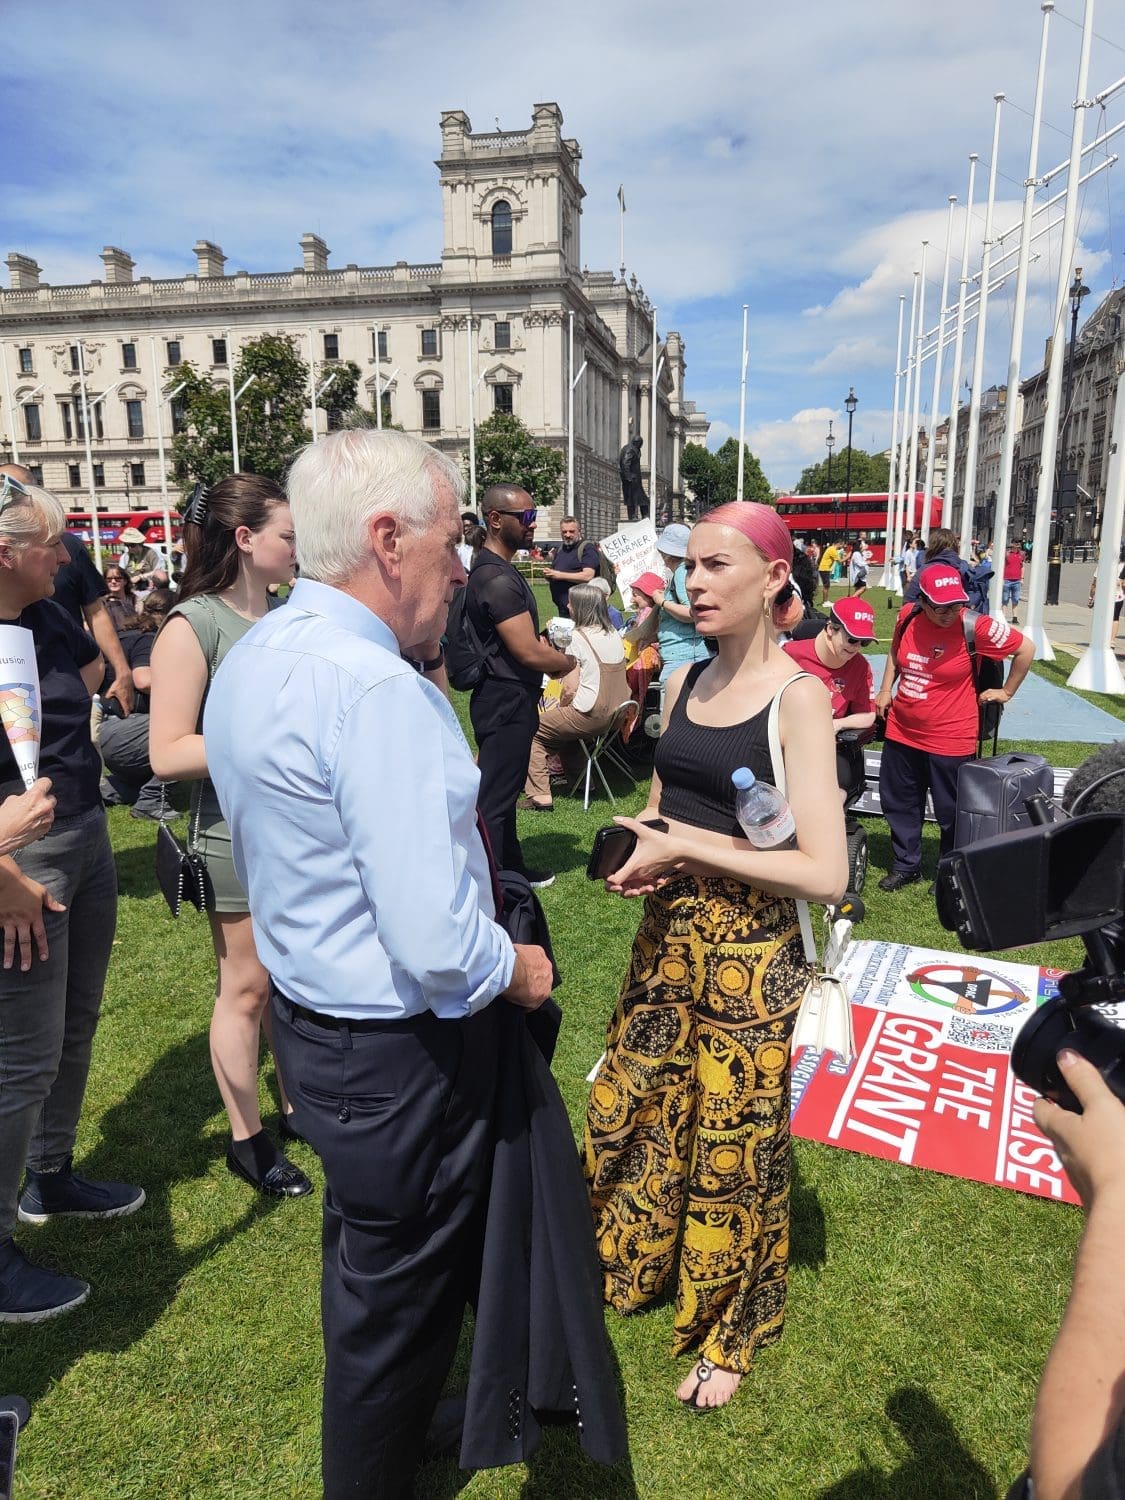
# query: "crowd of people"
{"points": [[369, 939]]}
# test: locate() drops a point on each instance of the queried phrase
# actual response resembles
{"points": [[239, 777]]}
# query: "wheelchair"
{"points": [[852, 777]]}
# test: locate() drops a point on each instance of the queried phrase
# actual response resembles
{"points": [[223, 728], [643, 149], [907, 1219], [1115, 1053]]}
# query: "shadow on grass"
{"points": [[154, 1137], [808, 1238], [136, 870], [557, 851], [939, 1466]]}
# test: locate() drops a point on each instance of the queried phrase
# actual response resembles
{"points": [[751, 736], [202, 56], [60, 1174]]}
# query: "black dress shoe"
{"points": [[282, 1180], [898, 878]]}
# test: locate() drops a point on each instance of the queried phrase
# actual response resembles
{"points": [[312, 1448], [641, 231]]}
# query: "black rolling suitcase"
{"points": [[991, 795]]}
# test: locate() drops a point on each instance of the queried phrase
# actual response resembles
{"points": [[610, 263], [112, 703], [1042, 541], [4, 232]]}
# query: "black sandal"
{"points": [[703, 1372]]}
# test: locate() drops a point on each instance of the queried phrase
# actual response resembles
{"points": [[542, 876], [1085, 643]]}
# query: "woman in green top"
{"points": [[239, 540]]}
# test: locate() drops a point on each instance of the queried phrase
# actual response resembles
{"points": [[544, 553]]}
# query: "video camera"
{"points": [[1053, 880]]}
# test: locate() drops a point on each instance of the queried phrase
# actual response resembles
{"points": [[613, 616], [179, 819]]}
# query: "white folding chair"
{"points": [[602, 745]]}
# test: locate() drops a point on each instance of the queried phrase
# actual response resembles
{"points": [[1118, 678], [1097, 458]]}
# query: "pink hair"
{"points": [[759, 524]]}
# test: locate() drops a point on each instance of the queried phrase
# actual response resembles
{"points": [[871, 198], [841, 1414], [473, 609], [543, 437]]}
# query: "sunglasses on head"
{"points": [[527, 517], [12, 492]]}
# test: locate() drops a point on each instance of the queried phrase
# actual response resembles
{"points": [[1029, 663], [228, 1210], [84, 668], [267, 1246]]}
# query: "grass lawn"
{"points": [[921, 1307]]}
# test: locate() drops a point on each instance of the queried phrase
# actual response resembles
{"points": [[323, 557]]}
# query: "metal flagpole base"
{"points": [[1038, 634], [1097, 671]]}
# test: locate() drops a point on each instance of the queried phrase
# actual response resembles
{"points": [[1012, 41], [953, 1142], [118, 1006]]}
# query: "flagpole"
{"points": [[158, 400], [94, 526], [742, 401], [1008, 446], [931, 447], [971, 447], [312, 383], [904, 442], [472, 414], [958, 352], [1097, 669], [621, 218], [892, 544], [652, 426], [233, 412], [1037, 579], [570, 416], [912, 471]]}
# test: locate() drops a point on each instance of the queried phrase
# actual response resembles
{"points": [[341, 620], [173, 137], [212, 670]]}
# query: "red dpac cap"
{"points": [[856, 616], [941, 584]]}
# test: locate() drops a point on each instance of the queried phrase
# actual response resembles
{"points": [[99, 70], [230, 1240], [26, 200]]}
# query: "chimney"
{"points": [[23, 272], [315, 252], [118, 265], [1047, 354], [209, 259]]}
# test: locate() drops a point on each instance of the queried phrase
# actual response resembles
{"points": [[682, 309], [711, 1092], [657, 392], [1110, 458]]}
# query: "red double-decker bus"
{"points": [[821, 517]]}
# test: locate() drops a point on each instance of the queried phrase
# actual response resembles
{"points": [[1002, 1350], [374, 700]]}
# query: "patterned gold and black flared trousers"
{"points": [[687, 1129]]}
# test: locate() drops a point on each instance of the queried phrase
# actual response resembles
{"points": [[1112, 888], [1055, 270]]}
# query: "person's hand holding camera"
{"points": [[1091, 1146]]}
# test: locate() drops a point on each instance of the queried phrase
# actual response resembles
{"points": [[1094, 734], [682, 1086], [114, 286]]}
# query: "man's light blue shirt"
{"points": [[351, 797]]}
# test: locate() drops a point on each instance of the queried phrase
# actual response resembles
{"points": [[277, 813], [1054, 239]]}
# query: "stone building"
{"points": [[1083, 449], [486, 328], [990, 442]]}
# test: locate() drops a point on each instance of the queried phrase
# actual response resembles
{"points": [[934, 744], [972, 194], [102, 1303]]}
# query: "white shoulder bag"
{"points": [[824, 1020]]}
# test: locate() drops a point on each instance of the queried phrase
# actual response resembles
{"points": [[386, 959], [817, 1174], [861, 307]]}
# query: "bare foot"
{"points": [[708, 1387]]}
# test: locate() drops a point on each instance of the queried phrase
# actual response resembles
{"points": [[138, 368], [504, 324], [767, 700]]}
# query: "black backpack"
{"points": [[466, 658]]}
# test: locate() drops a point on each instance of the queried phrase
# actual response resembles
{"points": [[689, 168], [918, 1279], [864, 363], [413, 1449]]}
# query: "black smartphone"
{"points": [[612, 847], [9, 1427]]}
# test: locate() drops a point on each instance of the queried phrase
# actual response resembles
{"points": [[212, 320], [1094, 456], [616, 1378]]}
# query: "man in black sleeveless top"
{"points": [[504, 707]]}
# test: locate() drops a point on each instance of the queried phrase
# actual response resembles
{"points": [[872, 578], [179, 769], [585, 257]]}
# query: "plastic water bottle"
{"points": [[763, 813]]}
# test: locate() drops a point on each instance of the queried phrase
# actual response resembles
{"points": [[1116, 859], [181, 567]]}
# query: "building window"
{"points": [[137, 476], [36, 474], [502, 228], [174, 354], [385, 401], [74, 357], [33, 424], [95, 420], [27, 363], [429, 343], [99, 476], [502, 339], [380, 342], [431, 411], [178, 408], [218, 351], [128, 356], [64, 408], [332, 346], [134, 416], [74, 475], [502, 398]]}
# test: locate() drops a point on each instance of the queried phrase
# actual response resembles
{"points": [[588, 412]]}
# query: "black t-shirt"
{"points": [[137, 646], [66, 751], [77, 582], [498, 592], [571, 560]]}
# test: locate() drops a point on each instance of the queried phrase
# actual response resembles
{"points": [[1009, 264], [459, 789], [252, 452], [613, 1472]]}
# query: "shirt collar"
{"points": [[333, 604]]}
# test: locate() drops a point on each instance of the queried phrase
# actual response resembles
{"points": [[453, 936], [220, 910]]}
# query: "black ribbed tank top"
{"points": [[694, 763]]}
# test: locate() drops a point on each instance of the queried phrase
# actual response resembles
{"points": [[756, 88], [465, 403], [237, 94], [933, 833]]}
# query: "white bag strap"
{"points": [[773, 732]]}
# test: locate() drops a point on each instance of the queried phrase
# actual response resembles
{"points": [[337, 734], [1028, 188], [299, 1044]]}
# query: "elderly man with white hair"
{"points": [[351, 798]]}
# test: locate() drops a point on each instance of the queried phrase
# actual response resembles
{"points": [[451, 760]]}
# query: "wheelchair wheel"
{"points": [[857, 858]]}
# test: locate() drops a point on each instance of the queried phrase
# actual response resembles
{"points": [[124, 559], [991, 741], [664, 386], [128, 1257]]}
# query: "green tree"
{"points": [[271, 414], [338, 400], [508, 454], [871, 475], [713, 477]]}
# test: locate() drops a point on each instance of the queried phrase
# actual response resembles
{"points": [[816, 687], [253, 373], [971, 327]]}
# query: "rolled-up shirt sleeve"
{"points": [[406, 801]]}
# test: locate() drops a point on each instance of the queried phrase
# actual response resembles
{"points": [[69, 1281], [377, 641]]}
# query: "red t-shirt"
{"points": [[849, 685], [935, 708], [1013, 565]]}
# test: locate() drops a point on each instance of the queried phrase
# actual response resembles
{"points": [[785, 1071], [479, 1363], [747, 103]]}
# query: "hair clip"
{"points": [[195, 511]]}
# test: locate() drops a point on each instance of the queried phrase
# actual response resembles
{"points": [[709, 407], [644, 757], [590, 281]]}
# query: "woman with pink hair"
{"points": [[687, 1129]]}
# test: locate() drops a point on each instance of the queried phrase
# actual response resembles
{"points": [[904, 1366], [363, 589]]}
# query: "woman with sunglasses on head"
{"points": [[687, 1127], [240, 540], [122, 602], [50, 996], [933, 720]]}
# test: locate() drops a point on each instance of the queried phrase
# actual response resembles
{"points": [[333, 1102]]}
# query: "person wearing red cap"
{"points": [[835, 655], [933, 718]]}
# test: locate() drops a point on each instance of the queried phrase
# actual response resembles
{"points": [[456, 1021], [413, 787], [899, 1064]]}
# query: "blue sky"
{"points": [[790, 157]]}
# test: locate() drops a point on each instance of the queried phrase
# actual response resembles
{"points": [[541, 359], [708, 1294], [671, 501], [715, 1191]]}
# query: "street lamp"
{"points": [[850, 405], [1066, 478], [830, 443]]}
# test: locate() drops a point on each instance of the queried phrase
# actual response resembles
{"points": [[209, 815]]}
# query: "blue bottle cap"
{"points": [[743, 778]]}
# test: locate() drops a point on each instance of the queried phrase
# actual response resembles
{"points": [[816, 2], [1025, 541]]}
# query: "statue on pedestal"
{"points": [[632, 490]]}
